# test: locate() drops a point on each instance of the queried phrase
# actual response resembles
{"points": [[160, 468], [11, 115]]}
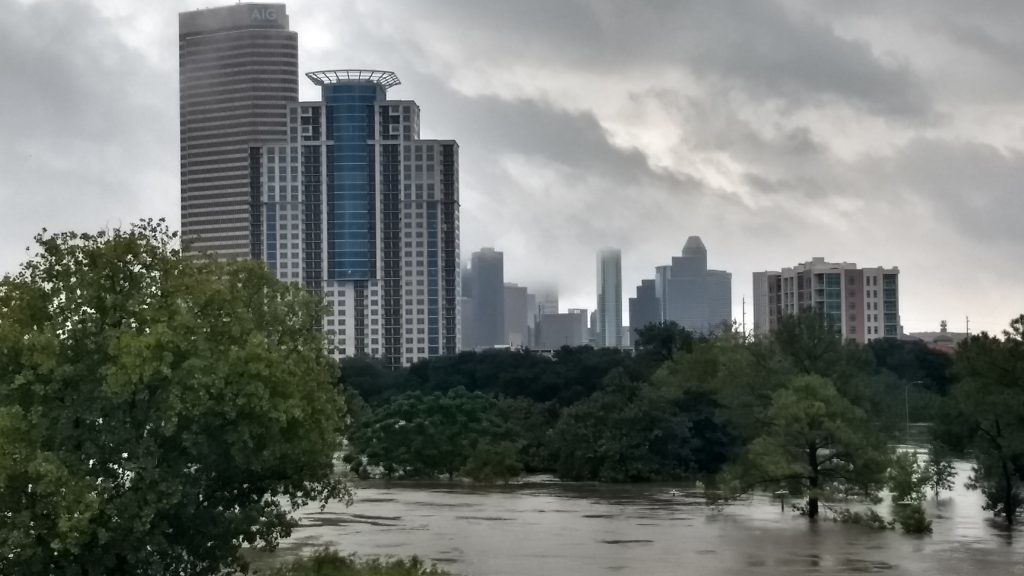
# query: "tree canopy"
{"points": [[156, 413]]}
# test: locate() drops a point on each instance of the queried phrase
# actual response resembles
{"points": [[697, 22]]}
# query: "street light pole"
{"points": [[906, 403]]}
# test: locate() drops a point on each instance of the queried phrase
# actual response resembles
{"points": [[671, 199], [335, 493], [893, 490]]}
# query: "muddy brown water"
{"points": [[549, 528]]}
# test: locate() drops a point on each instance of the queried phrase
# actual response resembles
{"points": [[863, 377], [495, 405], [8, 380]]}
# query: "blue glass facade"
{"points": [[351, 197]]}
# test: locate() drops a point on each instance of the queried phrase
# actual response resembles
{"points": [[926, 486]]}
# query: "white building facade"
{"points": [[356, 207]]}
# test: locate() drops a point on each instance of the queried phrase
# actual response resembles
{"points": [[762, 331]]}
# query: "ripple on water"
{"points": [[626, 541], [866, 566]]}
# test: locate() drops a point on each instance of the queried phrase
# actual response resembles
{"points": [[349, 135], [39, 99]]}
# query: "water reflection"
{"points": [[549, 528]]}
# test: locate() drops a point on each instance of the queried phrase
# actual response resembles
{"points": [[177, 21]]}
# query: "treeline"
{"points": [[677, 406]]}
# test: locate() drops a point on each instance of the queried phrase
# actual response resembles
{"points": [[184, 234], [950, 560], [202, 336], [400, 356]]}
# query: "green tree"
{"points": [[989, 397], [912, 519], [427, 435], [816, 443], [494, 461], [939, 469], [907, 478], [631, 432], [156, 413]]}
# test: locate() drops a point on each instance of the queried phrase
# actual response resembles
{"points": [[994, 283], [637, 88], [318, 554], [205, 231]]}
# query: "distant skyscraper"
{"points": [[357, 207], [566, 329], [531, 319], [517, 332], [687, 287], [547, 299], [863, 303], [238, 72], [609, 297], [718, 296], [645, 308], [488, 285], [696, 298], [686, 292]]}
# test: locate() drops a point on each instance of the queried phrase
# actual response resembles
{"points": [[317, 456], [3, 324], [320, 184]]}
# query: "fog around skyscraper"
{"points": [[623, 124]]}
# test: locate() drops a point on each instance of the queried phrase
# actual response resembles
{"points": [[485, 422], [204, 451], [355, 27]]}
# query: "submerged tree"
{"points": [[990, 400], [156, 413], [939, 470], [907, 478], [816, 443]]}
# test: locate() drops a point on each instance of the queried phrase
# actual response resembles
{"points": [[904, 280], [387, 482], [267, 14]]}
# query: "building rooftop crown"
{"points": [[694, 246], [385, 78]]}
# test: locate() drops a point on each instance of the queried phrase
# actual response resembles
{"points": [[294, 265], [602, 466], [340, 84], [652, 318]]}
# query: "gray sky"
{"points": [[874, 132]]}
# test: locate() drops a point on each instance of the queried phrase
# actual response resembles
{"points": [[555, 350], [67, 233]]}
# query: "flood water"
{"points": [[572, 529]]}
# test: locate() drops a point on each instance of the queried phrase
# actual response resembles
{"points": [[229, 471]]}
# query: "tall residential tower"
{"points": [[357, 207], [238, 72]]}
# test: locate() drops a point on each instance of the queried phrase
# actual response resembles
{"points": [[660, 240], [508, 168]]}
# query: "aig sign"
{"points": [[264, 15]]}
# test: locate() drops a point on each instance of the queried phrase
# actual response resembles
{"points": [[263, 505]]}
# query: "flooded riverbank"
{"points": [[571, 529]]}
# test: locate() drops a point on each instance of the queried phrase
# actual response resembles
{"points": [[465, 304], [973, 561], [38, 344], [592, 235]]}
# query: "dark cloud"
{"points": [[875, 132], [85, 141]]}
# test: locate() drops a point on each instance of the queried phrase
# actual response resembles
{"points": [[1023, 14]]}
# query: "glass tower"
{"points": [[375, 226]]}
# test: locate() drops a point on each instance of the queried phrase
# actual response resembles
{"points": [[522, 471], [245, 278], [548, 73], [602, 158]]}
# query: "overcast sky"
{"points": [[876, 132]]}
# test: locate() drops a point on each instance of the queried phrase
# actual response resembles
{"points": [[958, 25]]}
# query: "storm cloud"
{"points": [[874, 132]]}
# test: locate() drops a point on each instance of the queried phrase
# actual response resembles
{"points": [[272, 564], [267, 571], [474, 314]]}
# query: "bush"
{"points": [[868, 518], [913, 520], [330, 563]]}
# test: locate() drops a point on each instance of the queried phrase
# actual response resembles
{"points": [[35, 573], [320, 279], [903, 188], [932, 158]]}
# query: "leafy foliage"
{"points": [[631, 432], [328, 563], [156, 413], [907, 478], [939, 469], [988, 415], [494, 461], [816, 443], [913, 520], [425, 435]]}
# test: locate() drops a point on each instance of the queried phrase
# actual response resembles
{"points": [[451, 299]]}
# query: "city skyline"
{"points": [[880, 156]]}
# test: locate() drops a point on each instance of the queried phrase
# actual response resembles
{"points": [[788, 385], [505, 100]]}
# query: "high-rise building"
{"points": [[609, 298], [467, 318], [863, 303], [358, 207], [547, 299], [517, 332], [645, 308], [238, 73], [685, 292], [718, 296], [565, 329], [531, 319], [487, 270]]}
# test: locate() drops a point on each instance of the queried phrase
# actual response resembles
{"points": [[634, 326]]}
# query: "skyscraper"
{"points": [[609, 297], [356, 206], [686, 293], [517, 331], [238, 72], [645, 308], [487, 268], [862, 303]]}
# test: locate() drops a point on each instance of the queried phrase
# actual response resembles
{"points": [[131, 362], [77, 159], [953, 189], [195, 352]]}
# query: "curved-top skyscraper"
{"points": [[238, 70]]}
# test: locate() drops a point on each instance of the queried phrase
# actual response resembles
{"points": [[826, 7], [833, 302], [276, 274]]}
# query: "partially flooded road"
{"points": [[571, 529]]}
